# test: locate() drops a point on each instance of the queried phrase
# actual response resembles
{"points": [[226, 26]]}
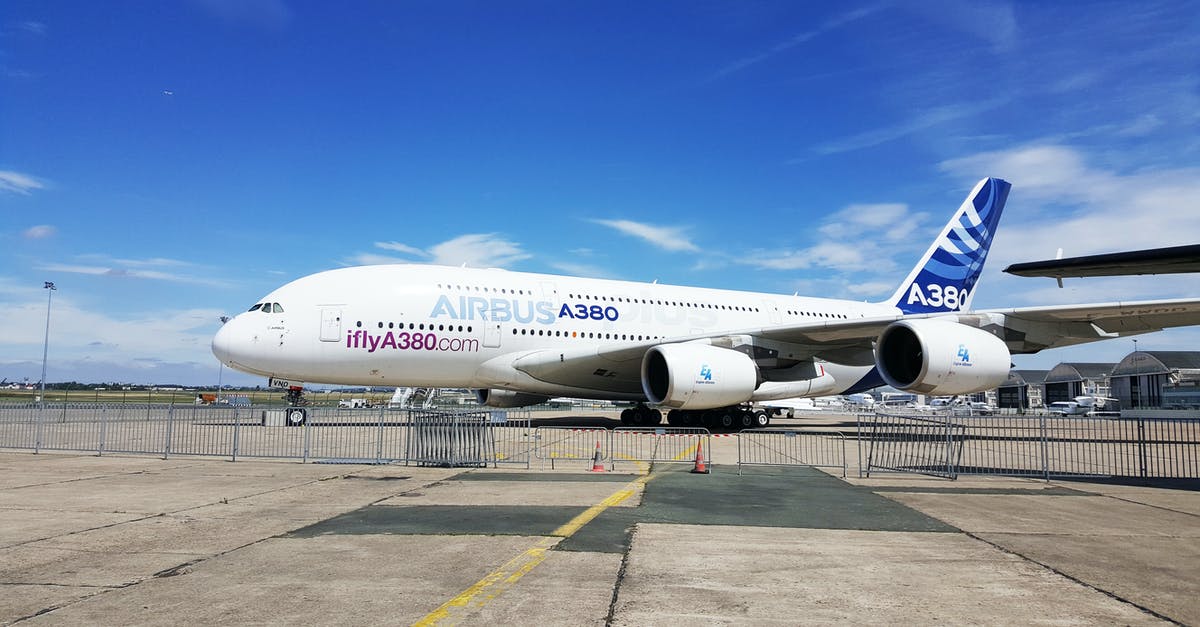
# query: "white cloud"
{"points": [[18, 183], [1059, 200], [41, 231], [401, 248], [479, 250], [669, 238]]}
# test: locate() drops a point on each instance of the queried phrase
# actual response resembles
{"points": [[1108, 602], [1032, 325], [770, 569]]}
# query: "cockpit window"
{"points": [[276, 308], [255, 308], [266, 308]]}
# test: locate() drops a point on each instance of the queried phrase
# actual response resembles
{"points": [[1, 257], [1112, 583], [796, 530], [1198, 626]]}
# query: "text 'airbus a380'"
{"points": [[522, 338]]}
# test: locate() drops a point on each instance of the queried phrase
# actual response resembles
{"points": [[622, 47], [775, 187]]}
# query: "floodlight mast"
{"points": [[50, 289]]}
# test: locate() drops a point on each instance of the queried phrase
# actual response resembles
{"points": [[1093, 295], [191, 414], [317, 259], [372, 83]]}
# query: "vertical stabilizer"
{"points": [[944, 279]]}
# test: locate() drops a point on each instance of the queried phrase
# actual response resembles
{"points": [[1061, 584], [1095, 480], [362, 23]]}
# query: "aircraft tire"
{"points": [[745, 419], [762, 419], [653, 417], [627, 417], [296, 417], [727, 419]]}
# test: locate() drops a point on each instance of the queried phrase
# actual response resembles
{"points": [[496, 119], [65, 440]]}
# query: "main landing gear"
{"points": [[641, 416], [724, 418]]}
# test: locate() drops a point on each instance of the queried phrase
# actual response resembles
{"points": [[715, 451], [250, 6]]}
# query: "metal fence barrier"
{"points": [[928, 446], [451, 440], [1042, 446], [791, 447], [660, 445], [573, 445]]}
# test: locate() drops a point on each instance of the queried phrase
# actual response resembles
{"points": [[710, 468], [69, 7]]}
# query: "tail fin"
{"points": [[944, 279]]}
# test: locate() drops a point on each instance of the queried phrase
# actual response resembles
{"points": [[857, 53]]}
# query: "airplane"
{"points": [[702, 354]]}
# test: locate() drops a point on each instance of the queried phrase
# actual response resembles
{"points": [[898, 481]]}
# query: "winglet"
{"points": [[944, 279]]}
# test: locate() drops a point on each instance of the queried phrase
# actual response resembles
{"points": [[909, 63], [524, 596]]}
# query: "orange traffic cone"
{"points": [[597, 464], [700, 467]]}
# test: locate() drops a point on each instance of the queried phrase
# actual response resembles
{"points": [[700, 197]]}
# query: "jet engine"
{"points": [[697, 376], [508, 399], [940, 357]]}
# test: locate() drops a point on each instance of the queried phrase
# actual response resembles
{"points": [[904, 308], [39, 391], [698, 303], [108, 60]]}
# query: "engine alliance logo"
{"points": [[964, 356], [705, 375]]}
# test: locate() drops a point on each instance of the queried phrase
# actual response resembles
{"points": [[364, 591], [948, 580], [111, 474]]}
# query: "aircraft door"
{"points": [[773, 311], [491, 335], [331, 324]]}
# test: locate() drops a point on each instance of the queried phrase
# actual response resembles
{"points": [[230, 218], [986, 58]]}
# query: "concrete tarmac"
{"points": [[141, 540]]}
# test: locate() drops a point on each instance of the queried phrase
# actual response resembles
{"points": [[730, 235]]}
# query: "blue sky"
{"points": [[165, 163]]}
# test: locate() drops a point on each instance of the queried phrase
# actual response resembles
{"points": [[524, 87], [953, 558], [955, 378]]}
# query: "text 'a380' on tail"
{"points": [[944, 280]]}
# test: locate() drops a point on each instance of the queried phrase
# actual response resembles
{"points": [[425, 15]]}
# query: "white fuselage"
{"points": [[438, 326]]}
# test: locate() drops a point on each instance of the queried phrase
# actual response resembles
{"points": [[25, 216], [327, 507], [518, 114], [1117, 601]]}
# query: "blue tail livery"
{"points": [[944, 279]]}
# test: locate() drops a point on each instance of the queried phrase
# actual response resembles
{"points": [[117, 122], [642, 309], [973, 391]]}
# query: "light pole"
{"points": [[221, 367], [50, 289]]}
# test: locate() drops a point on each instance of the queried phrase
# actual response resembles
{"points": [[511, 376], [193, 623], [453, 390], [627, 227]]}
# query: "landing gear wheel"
{"points": [[674, 419], [761, 419], [627, 417], [652, 417], [296, 416], [746, 419], [727, 419]]}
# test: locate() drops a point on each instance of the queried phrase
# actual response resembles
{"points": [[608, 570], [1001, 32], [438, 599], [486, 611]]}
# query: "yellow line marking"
{"points": [[499, 580]]}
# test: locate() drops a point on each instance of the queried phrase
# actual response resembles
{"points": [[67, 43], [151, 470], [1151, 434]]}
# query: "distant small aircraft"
{"points": [[167, 92]]}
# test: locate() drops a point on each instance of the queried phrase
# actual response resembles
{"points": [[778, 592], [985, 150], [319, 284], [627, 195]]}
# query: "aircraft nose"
{"points": [[223, 343]]}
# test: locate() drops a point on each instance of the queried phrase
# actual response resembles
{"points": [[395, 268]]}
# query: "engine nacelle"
{"points": [[941, 357], [697, 376], [508, 399]]}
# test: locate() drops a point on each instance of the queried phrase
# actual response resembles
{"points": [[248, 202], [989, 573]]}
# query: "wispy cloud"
{"points": [[149, 269], [920, 122], [33, 27], [41, 231], [796, 40], [669, 238], [479, 250], [18, 183]]}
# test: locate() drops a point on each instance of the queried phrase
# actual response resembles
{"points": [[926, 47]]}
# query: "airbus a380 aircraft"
{"points": [[522, 338]]}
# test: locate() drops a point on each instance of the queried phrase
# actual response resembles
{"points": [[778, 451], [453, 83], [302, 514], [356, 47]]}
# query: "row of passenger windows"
{"points": [[418, 327], [641, 301], [817, 314], [592, 336], [486, 290], [267, 308]]}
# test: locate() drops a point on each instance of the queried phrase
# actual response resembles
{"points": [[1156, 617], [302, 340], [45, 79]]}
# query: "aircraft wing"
{"points": [[1031, 329], [851, 342], [1171, 260]]}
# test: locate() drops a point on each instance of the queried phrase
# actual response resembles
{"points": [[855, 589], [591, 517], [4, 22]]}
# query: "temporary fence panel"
{"points": [[575, 445], [513, 438], [660, 444], [1169, 448], [929, 446], [19, 426], [450, 439], [791, 447]]}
